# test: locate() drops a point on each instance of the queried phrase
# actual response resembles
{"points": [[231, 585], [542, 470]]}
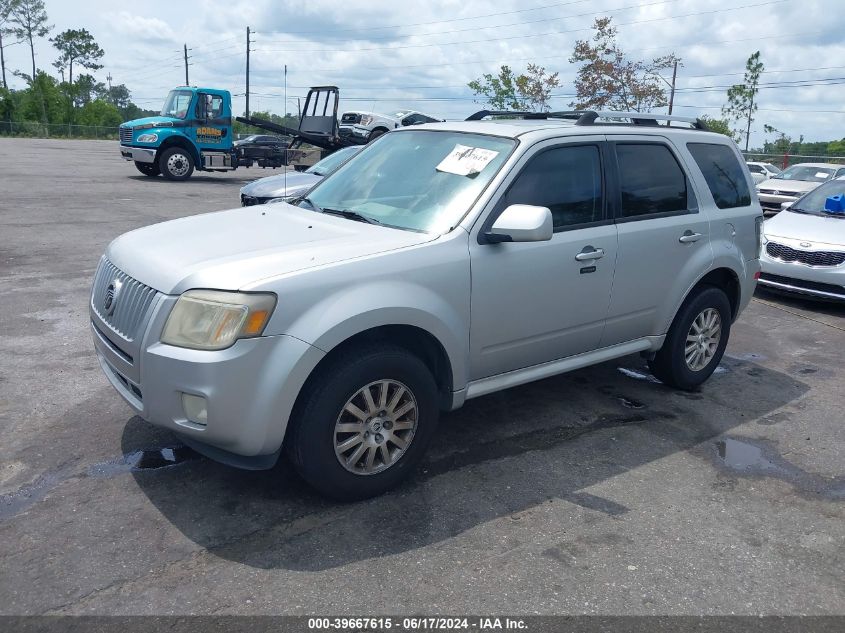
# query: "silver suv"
{"points": [[443, 262]]}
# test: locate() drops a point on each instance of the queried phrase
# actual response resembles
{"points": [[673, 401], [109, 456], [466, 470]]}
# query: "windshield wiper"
{"points": [[351, 215], [313, 204], [797, 210]]}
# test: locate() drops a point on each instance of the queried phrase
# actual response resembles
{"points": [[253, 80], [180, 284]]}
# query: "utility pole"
{"points": [[109, 78], [672, 92], [185, 49], [247, 71]]}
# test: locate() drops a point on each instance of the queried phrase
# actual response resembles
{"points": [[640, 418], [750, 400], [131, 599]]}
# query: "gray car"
{"points": [[293, 184], [804, 246], [442, 263]]}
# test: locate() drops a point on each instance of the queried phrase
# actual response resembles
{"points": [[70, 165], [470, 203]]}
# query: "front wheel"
{"points": [[696, 341], [148, 169], [364, 422], [176, 163]]}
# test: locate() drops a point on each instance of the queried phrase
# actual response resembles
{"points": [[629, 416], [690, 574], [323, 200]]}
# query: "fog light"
{"points": [[196, 408]]}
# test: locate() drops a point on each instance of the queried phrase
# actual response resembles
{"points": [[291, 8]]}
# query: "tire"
{"points": [[375, 134], [300, 168], [316, 443], [674, 364], [176, 163], [148, 169]]}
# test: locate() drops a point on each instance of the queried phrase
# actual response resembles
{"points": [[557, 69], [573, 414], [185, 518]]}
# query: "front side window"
{"points": [[723, 174], [421, 180], [567, 180], [177, 103], [650, 179]]}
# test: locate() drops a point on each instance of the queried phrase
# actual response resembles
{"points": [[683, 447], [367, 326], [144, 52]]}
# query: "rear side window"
{"points": [[723, 174], [567, 180], [650, 179]]}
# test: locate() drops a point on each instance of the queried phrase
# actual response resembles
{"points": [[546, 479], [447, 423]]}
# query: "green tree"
{"points": [[836, 148], [119, 96], [720, 126], [530, 90], [608, 79], [28, 20], [741, 104], [44, 101], [99, 112], [76, 46], [86, 89], [6, 8]]}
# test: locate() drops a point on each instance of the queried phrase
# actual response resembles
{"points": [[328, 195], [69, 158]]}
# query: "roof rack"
{"points": [[589, 117]]}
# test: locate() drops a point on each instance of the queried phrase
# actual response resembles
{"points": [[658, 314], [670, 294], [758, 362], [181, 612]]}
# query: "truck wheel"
{"points": [[363, 422], [176, 164], [300, 167], [375, 134], [148, 169], [696, 341]]}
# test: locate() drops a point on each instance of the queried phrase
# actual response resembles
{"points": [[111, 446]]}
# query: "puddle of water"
{"points": [[144, 460], [744, 456], [638, 375], [630, 403]]}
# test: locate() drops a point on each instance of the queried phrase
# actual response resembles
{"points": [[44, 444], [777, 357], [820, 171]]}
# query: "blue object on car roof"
{"points": [[835, 204]]}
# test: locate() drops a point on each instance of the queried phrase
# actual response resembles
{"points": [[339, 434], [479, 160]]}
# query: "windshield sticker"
{"points": [[466, 161]]}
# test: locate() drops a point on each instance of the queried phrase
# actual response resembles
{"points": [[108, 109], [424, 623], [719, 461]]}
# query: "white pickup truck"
{"points": [[366, 126]]}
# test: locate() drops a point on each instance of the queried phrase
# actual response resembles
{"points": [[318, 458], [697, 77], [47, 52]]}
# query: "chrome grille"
{"points": [[131, 303], [810, 258], [125, 135]]}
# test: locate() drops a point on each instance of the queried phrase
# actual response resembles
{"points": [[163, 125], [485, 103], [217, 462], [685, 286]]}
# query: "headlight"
{"points": [[366, 119], [214, 319], [148, 138]]}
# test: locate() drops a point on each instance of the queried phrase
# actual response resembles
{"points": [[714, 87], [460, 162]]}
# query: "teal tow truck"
{"points": [[194, 132]]}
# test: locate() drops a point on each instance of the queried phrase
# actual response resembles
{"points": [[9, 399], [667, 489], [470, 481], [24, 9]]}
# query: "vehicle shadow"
{"points": [[499, 456], [830, 308], [231, 181]]}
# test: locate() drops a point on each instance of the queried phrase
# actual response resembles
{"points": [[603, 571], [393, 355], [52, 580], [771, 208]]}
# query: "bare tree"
{"points": [[6, 8], [29, 20]]}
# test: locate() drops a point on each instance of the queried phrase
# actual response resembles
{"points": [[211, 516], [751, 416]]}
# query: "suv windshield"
{"points": [[177, 103], [421, 180], [814, 202], [806, 173]]}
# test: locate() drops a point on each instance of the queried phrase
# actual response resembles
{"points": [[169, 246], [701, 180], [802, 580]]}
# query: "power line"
{"points": [[514, 37]]}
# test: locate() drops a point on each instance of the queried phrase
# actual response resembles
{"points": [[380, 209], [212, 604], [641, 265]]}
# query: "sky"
{"points": [[392, 55]]}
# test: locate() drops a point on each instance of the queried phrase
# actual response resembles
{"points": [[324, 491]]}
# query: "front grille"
{"points": [[350, 118], [125, 135], [131, 302], [810, 258], [777, 192], [806, 285]]}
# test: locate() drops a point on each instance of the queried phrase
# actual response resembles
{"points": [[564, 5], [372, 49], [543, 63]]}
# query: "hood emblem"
{"points": [[112, 294], [805, 244]]}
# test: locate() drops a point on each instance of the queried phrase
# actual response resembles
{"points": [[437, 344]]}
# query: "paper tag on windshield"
{"points": [[466, 161], [822, 174]]}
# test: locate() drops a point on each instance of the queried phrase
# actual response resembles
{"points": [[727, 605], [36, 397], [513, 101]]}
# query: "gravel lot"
{"points": [[599, 491]]}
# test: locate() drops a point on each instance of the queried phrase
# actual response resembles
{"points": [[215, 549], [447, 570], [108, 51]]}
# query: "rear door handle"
{"points": [[689, 237], [587, 255]]}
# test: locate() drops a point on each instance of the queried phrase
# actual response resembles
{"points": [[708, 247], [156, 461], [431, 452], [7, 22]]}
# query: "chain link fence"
{"points": [[56, 130]]}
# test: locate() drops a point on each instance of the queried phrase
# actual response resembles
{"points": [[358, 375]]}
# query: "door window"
{"points": [[650, 179], [567, 180], [723, 174]]}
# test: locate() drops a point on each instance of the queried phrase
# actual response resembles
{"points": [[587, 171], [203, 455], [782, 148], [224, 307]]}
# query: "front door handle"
{"points": [[589, 253], [689, 237]]}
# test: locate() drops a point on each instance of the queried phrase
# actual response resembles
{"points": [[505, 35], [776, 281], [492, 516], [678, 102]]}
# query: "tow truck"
{"points": [[194, 132]]}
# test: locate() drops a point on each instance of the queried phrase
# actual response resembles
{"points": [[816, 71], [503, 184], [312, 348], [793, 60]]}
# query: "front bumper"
{"points": [[821, 282], [249, 388], [138, 154], [771, 203], [355, 131]]}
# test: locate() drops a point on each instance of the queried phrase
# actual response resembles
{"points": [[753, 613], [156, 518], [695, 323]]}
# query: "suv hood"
{"points": [[234, 250], [810, 228], [792, 186], [281, 185]]}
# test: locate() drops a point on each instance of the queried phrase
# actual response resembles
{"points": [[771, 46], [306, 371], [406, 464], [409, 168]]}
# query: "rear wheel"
{"points": [[364, 422], [148, 169], [176, 163], [696, 341]]}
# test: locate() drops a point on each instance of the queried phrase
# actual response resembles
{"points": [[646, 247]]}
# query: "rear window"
{"points": [[723, 173], [650, 179]]}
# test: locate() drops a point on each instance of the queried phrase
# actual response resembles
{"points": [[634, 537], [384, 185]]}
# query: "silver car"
{"points": [[793, 182], [292, 184], [442, 263], [762, 171], [804, 247]]}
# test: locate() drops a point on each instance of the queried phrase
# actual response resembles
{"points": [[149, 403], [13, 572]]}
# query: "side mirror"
{"points": [[522, 223]]}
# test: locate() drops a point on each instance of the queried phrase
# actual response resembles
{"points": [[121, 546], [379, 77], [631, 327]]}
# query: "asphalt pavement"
{"points": [[599, 491]]}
